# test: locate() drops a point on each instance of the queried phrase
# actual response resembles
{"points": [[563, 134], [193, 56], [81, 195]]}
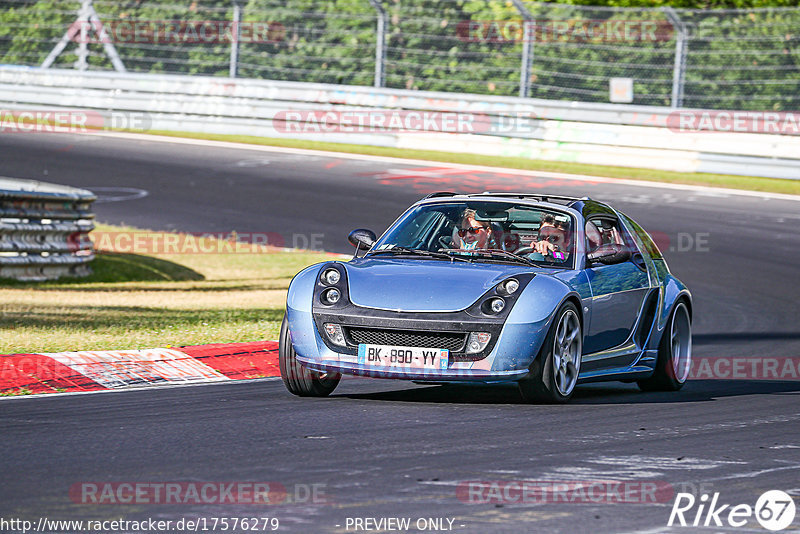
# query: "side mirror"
{"points": [[610, 254], [362, 238]]}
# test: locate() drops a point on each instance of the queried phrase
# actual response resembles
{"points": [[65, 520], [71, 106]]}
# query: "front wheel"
{"points": [[297, 379], [555, 370], [674, 354]]}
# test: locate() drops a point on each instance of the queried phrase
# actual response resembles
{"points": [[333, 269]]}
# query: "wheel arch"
{"points": [[686, 299], [575, 299]]}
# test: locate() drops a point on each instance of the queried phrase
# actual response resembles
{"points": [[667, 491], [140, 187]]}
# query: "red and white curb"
{"points": [[59, 372]]}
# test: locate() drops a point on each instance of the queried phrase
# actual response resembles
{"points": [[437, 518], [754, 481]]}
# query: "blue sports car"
{"points": [[546, 291]]}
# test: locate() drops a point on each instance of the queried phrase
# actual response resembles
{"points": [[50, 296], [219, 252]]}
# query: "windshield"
{"points": [[483, 231]]}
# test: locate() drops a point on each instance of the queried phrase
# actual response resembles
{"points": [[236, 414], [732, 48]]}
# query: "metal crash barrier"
{"points": [[44, 230], [579, 132]]}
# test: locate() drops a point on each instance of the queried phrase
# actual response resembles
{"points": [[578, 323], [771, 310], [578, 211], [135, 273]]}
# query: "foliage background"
{"points": [[742, 54]]}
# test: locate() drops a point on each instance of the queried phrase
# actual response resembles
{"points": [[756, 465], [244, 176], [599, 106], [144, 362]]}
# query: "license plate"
{"points": [[406, 357]]}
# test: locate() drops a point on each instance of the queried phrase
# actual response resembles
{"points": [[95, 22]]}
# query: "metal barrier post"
{"points": [[679, 69], [528, 35], [380, 43], [237, 19], [82, 62], [87, 19]]}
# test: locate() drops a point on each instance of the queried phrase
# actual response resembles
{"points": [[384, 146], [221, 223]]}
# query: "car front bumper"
{"points": [[509, 359], [452, 374]]}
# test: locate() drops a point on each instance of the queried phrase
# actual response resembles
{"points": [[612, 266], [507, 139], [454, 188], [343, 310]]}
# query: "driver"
{"points": [[553, 238], [471, 233]]}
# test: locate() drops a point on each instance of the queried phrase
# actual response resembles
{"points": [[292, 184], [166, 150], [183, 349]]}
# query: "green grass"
{"points": [[110, 267], [135, 301], [17, 392], [750, 183]]}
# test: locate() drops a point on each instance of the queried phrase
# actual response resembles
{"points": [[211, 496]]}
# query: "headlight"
{"points": [[510, 286], [331, 296], [497, 304], [331, 276], [477, 342], [334, 333]]}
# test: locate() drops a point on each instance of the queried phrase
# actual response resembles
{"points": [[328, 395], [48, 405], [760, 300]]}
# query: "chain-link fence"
{"points": [[717, 59]]}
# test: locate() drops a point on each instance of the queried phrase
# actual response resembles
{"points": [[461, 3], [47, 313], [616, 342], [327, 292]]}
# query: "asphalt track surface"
{"points": [[395, 449]]}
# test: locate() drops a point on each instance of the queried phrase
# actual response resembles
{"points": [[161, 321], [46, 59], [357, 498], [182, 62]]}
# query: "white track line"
{"points": [[139, 388], [711, 191]]}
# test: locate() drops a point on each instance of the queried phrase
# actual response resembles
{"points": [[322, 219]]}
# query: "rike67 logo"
{"points": [[774, 510]]}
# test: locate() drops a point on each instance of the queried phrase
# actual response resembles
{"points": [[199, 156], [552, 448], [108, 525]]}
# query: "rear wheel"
{"points": [[674, 354], [555, 370], [297, 379]]}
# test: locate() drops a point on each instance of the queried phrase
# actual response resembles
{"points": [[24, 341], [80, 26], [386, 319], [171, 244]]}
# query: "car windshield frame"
{"points": [[435, 221]]}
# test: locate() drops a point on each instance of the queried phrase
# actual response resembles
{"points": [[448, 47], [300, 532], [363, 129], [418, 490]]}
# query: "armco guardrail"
{"points": [[605, 134], [44, 230]]}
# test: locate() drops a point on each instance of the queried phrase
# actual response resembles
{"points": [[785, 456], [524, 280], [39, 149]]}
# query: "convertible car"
{"points": [[542, 290]]}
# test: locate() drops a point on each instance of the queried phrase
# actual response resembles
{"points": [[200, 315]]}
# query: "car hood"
{"points": [[422, 285]]}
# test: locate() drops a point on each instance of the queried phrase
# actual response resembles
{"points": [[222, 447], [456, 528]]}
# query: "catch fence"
{"points": [[745, 59]]}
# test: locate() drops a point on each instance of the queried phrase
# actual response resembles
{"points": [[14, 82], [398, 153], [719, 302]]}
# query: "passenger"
{"points": [[553, 238], [471, 233]]}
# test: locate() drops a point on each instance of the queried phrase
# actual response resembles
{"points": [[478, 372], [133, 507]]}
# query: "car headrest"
{"points": [[456, 238], [593, 235]]}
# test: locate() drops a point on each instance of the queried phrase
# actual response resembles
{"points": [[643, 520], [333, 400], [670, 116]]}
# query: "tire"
{"points": [[555, 370], [674, 353], [297, 379]]}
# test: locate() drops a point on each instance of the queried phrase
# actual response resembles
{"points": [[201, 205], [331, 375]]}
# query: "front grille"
{"points": [[452, 341]]}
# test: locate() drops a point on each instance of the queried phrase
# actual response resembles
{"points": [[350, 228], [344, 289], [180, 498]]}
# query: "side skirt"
{"points": [[623, 373]]}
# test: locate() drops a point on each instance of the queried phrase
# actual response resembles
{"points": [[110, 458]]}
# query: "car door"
{"points": [[617, 290]]}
